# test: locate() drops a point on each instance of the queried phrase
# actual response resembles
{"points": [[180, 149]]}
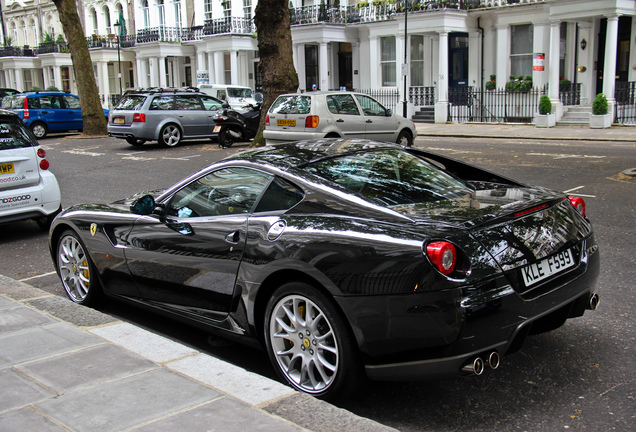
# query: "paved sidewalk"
{"points": [[516, 131], [65, 367]]}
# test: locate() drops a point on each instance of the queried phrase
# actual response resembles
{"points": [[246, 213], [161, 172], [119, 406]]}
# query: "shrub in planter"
{"points": [[599, 106], [600, 117], [545, 105], [545, 118]]}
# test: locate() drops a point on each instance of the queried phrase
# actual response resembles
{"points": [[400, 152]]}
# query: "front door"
{"points": [[622, 55], [458, 59]]}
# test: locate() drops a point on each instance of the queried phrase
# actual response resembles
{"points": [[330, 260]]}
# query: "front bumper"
{"points": [[433, 335]]}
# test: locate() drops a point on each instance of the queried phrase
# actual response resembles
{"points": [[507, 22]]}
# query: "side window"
{"points": [[46, 102], [210, 103], [71, 102], [370, 106], [57, 102], [188, 102], [162, 103], [280, 195], [343, 104], [221, 94], [224, 192]]}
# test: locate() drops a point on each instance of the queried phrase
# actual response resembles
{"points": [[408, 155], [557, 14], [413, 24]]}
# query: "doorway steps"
{"points": [[575, 115], [424, 115]]}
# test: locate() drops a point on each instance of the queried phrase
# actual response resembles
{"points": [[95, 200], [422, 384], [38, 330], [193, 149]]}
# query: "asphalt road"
{"points": [[579, 377]]}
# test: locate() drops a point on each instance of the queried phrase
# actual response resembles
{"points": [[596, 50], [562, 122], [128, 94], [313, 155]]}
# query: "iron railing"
{"points": [[625, 95], [422, 96], [467, 104], [570, 94], [389, 98]]}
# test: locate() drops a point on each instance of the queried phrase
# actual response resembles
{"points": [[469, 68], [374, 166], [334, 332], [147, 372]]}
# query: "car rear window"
{"points": [[294, 104], [13, 134], [390, 177], [13, 102], [131, 102]]}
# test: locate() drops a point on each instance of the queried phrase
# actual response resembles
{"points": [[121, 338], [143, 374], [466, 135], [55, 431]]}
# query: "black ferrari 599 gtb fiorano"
{"points": [[343, 258]]}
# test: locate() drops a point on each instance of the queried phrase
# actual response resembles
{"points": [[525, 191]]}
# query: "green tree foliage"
{"points": [[599, 106]]}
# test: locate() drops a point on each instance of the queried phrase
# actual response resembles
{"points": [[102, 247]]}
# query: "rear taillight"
{"points": [[139, 118], [312, 121], [578, 203], [26, 108], [44, 164], [267, 120], [443, 256]]}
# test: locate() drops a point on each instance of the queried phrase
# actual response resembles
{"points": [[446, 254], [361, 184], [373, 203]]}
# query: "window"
{"points": [[291, 105], [280, 195], [207, 9], [342, 104], [146, 13], [94, 19], [13, 135], [161, 13], [521, 49], [106, 12], [188, 102], [370, 106], [210, 103], [227, 8], [177, 13], [387, 62], [224, 192], [311, 66], [162, 103], [417, 61], [247, 9]]}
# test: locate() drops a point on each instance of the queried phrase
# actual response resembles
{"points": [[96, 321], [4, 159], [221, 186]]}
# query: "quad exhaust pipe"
{"points": [[477, 365], [593, 303]]}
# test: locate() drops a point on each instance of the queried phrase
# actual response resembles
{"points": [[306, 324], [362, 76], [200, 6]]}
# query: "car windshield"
{"points": [[131, 102], [390, 177], [13, 135], [291, 105], [239, 92]]}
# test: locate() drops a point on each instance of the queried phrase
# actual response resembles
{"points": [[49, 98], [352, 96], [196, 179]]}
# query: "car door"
{"points": [[186, 259], [346, 115], [72, 113], [47, 111], [192, 115], [381, 125]]}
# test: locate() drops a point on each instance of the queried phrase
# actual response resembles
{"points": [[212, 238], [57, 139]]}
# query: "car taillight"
{"points": [[578, 204], [267, 120], [44, 164], [41, 153], [26, 108], [139, 118], [443, 256], [312, 121]]}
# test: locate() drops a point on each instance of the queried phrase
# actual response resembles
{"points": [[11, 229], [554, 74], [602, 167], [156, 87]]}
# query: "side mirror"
{"points": [[389, 112], [143, 206], [225, 104]]}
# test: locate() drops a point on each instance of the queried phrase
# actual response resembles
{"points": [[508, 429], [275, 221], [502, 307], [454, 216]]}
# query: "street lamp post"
{"points": [[406, 45], [118, 27]]}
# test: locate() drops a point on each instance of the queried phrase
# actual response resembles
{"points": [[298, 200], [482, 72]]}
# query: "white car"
{"points": [[28, 190], [336, 114]]}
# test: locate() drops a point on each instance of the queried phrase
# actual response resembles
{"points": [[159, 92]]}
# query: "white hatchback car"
{"points": [[336, 114], [28, 190]]}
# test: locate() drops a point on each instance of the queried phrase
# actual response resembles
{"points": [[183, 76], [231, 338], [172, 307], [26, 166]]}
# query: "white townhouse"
{"points": [[462, 60]]}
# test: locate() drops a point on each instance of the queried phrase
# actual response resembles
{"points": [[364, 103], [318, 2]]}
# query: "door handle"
{"points": [[233, 237], [369, 121], [340, 121]]}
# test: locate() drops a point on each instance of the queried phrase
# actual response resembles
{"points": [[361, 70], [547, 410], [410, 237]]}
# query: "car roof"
{"points": [[320, 93], [44, 93], [300, 153], [164, 90]]}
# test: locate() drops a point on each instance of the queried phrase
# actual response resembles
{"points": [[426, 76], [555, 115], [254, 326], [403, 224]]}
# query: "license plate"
{"points": [[535, 273], [217, 129], [119, 120], [7, 168], [285, 122]]}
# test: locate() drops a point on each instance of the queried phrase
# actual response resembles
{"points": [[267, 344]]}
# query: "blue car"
{"points": [[47, 111]]}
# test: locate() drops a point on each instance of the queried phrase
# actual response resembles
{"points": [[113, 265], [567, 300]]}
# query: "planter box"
{"points": [[600, 121], [544, 120]]}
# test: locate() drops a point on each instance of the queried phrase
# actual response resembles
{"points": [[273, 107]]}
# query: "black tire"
{"points": [[135, 141], [405, 138], [320, 357], [170, 135], [39, 129], [76, 270], [225, 139]]}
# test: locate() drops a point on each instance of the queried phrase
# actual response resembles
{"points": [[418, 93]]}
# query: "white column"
{"points": [[162, 72], [609, 69], [503, 52], [45, 71], [7, 78], [153, 68], [19, 80], [57, 74], [138, 83], [234, 68], [300, 68], [474, 54], [540, 44], [374, 62], [323, 72], [219, 67], [104, 83], [201, 66], [585, 75], [210, 68], [554, 58], [441, 107]]}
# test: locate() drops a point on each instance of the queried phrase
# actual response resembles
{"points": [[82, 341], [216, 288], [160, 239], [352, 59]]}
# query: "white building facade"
{"points": [[426, 53]]}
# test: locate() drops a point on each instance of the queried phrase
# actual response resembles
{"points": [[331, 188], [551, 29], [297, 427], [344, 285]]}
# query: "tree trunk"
{"points": [[92, 114], [276, 58]]}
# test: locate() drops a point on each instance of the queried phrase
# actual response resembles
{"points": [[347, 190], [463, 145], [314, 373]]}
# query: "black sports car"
{"points": [[343, 257]]}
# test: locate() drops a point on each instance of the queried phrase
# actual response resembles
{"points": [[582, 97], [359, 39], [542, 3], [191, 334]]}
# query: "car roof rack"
{"points": [[152, 90]]}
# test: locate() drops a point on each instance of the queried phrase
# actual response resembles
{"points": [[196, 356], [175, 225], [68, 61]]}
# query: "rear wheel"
{"points": [[405, 138], [76, 270], [135, 141], [170, 135], [225, 138], [39, 129], [309, 343]]}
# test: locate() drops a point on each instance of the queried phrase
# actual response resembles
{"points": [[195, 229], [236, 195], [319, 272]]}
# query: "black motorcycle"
{"points": [[237, 125]]}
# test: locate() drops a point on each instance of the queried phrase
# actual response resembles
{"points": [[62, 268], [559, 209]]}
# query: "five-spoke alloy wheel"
{"points": [[170, 135]]}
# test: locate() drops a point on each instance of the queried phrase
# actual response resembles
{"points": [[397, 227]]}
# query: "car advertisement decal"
{"points": [[16, 201]]}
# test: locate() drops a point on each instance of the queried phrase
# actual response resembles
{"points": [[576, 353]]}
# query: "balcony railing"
{"points": [[51, 47], [9, 51]]}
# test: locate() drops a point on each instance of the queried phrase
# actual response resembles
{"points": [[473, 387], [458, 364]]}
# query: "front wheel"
{"points": [[76, 270], [225, 138], [309, 343], [405, 138], [170, 135], [39, 129]]}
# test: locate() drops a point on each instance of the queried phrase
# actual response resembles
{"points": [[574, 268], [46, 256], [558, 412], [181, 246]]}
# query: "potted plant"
{"points": [[545, 118], [600, 117]]}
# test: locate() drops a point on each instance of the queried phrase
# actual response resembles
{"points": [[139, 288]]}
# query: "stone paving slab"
{"points": [[26, 419], [17, 390]]}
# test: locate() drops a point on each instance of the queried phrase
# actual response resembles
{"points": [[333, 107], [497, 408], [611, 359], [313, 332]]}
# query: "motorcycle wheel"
{"points": [[225, 139]]}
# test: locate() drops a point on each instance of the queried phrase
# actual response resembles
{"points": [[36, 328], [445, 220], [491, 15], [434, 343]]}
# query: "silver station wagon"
{"points": [[336, 114], [168, 116]]}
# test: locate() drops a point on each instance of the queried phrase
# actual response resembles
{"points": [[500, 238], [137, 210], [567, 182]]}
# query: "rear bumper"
{"points": [[276, 137], [433, 335], [40, 200]]}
